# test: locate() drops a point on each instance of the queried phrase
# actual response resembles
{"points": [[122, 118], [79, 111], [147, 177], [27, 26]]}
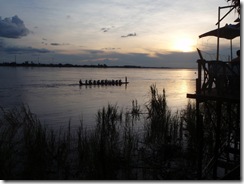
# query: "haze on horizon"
{"points": [[143, 33]]}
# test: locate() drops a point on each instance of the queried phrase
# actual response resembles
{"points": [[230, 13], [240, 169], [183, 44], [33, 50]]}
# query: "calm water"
{"points": [[55, 96]]}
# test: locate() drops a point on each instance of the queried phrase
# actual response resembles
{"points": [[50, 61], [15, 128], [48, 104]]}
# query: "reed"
{"points": [[136, 110], [114, 149], [189, 133], [33, 151], [159, 117]]}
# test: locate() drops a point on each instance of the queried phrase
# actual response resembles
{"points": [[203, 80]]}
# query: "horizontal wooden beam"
{"points": [[204, 97]]}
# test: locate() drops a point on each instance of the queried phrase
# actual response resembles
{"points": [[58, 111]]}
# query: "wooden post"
{"points": [[218, 35], [199, 123], [197, 87], [231, 55], [199, 79], [199, 139], [218, 23], [237, 131], [230, 129], [217, 138]]}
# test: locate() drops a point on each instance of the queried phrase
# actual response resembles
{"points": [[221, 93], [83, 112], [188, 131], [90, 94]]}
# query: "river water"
{"points": [[53, 94]]}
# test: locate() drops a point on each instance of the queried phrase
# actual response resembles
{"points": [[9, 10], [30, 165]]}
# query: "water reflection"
{"points": [[56, 97]]}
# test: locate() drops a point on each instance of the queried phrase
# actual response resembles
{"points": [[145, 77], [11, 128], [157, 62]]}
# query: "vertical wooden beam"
{"points": [[218, 35], [197, 86], [237, 131], [199, 139], [217, 138], [231, 54], [199, 79], [230, 129], [218, 23], [199, 121]]}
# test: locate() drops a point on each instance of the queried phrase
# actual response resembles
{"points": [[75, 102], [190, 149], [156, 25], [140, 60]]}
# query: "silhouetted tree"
{"points": [[236, 4]]}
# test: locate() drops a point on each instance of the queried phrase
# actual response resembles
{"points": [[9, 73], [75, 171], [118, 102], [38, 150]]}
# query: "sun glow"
{"points": [[184, 45]]}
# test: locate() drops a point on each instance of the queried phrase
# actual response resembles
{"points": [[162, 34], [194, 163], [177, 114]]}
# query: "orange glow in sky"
{"points": [[184, 45], [145, 33]]}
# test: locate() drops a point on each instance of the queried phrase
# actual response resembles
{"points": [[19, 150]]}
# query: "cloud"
{"points": [[1, 43], [104, 29], [111, 48], [100, 60], [23, 50], [128, 35], [55, 44], [176, 59], [58, 44], [13, 27], [170, 59]]}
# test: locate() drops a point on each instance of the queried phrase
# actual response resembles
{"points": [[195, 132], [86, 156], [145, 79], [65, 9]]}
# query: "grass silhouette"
{"points": [[114, 150]]}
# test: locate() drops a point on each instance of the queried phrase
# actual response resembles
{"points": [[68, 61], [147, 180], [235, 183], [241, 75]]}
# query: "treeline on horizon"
{"points": [[32, 64]]}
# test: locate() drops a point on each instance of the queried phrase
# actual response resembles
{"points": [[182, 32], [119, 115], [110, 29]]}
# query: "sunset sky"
{"points": [[113, 32]]}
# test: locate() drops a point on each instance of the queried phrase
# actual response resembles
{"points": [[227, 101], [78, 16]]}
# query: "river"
{"points": [[53, 93]]}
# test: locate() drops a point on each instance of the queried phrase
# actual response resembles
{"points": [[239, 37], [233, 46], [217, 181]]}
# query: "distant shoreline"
{"points": [[31, 64]]}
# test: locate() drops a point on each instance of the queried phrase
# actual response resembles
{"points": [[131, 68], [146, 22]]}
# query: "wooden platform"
{"points": [[217, 81], [214, 96]]}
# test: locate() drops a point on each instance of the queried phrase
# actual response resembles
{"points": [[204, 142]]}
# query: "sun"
{"points": [[184, 45]]}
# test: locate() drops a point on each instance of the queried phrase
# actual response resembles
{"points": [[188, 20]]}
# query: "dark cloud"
{"points": [[174, 59], [104, 29], [94, 52], [13, 27], [1, 43], [111, 48], [23, 50], [128, 35], [44, 43], [55, 44], [58, 44]]}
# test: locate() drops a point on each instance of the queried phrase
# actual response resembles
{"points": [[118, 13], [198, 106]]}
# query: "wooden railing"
{"points": [[218, 78]]}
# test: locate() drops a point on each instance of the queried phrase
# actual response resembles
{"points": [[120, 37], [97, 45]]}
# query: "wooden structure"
{"points": [[218, 111], [218, 105]]}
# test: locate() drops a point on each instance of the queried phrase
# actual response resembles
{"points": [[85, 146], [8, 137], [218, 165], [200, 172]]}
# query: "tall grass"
{"points": [[114, 149], [29, 150], [159, 117]]}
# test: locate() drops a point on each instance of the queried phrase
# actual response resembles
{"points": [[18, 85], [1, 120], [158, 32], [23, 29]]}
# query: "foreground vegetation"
{"points": [[117, 148]]}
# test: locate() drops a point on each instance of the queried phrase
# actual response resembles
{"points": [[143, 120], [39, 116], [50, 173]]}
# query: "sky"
{"points": [[154, 33]]}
